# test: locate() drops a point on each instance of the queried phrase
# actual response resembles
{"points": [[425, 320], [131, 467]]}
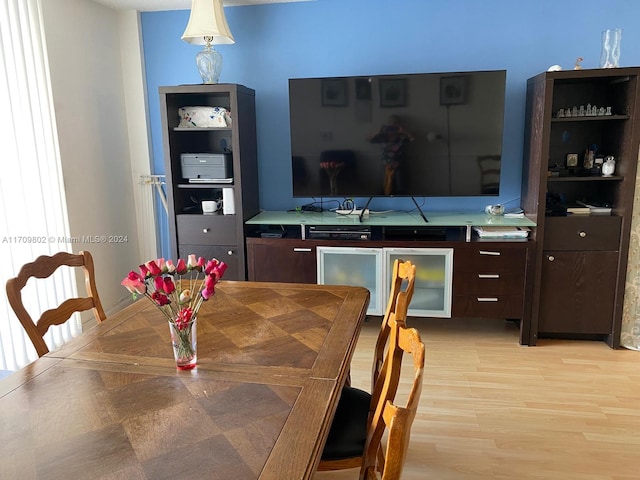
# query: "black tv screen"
{"points": [[416, 135]]}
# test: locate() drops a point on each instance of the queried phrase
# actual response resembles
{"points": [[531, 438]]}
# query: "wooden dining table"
{"points": [[272, 359]]}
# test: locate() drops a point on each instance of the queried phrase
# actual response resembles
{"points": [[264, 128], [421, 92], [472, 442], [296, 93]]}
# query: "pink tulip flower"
{"points": [[160, 298], [181, 267], [169, 287], [153, 268], [192, 261], [135, 286]]}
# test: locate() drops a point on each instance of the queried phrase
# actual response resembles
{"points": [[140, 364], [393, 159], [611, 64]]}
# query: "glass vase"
{"points": [[610, 54], [185, 343]]}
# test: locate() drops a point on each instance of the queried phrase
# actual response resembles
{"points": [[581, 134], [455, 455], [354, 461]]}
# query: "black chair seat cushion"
{"points": [[348, 431]]}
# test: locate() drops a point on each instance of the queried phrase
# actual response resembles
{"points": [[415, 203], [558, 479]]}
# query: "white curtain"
{"points": [[33, 213], [630, 334]]}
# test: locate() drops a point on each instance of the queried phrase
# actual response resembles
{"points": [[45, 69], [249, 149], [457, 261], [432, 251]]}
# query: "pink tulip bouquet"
{"points": [[178, 290]]}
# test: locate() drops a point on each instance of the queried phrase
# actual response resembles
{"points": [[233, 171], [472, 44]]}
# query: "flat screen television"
{"points": [[413, 135]]}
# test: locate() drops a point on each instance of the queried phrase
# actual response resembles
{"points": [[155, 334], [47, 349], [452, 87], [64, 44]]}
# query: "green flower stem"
{"points": [[183, 346]]}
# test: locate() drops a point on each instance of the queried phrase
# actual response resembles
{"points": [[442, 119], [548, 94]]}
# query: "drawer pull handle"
{"points": [[301, 249], [488, 275], [206, 230], [551, 258], [486, 252], [229, 252], [582, 234], [487, 299]]}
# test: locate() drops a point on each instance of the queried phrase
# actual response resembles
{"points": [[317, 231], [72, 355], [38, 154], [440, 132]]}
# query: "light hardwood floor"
{"points": [[492, 409]]}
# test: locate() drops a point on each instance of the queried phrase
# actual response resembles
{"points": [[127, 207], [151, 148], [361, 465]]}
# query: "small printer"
{"points": [[207, 167]]}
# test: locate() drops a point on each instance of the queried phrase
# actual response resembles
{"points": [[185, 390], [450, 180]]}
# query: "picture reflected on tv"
{"points": [[420, 135]]}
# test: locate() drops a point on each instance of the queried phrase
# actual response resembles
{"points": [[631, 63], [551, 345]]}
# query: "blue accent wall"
{"points": [[360, 37]]}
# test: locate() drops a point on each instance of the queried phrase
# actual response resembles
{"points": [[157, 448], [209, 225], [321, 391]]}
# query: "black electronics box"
{"points": [[355, 232], [415, 233]]}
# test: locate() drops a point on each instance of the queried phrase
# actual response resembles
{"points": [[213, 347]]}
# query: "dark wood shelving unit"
{"points": [[191, 231], [581, 260]]}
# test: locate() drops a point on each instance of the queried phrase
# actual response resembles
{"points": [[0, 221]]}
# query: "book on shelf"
{"points": [[502, 232], [578, 209], [595, 209]]}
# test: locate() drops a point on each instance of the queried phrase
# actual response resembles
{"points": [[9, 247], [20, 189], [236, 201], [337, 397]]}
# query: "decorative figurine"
{"points": [[589, 155], [578, 61], [609, 166]]}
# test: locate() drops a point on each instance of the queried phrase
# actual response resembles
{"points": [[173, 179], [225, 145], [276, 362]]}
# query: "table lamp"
{"points": [[208, 26]]}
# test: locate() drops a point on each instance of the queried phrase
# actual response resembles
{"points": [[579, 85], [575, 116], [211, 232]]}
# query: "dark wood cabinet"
{"points": [[577, 292], [581, 259], [216, 235], [281, 260], [578, 276], [490, 279]]}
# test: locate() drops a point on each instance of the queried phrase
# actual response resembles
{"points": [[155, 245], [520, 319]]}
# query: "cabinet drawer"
{"points": [[487, 284], [207, 229], [488, 306], [489, 259], [591, 232], [227, 254], [265, 261]]}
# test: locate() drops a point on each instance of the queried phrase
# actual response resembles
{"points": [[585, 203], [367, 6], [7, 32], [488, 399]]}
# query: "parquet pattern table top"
{"points": [[111, 404], [259, 326]]}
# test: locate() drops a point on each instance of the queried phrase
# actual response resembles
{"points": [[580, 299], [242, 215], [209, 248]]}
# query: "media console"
{"points": [[488, 278]]}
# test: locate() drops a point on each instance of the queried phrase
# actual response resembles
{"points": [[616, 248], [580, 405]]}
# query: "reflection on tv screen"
{"points": [[431, 134]]}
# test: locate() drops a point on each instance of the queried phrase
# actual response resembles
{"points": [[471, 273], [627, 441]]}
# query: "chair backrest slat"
{"points": [[42, 268], [404, 272], [384, 414]]}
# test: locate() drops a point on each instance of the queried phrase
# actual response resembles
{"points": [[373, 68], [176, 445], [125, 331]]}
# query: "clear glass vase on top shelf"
{"points": [[610, 54]]}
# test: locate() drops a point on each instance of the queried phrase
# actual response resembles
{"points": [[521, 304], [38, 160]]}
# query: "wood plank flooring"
{"points": [[492, 409]]}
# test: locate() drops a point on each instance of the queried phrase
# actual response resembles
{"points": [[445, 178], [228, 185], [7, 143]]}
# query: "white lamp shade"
{"points": [[207, 20]]}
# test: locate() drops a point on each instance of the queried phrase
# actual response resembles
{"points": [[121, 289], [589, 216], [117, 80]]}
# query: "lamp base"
{"points": [[209, 62]]}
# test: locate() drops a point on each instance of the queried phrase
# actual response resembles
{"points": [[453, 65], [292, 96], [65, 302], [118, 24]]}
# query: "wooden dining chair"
{"points": [[43, 267], [345, 445], [404, 273], [398, 420]]}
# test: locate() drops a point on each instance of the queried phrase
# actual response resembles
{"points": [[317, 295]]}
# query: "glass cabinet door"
{"points": [[361, 267], [434, 276]]}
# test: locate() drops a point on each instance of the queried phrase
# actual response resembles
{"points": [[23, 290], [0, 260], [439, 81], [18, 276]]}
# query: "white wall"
{"points": [[87, 85]]}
